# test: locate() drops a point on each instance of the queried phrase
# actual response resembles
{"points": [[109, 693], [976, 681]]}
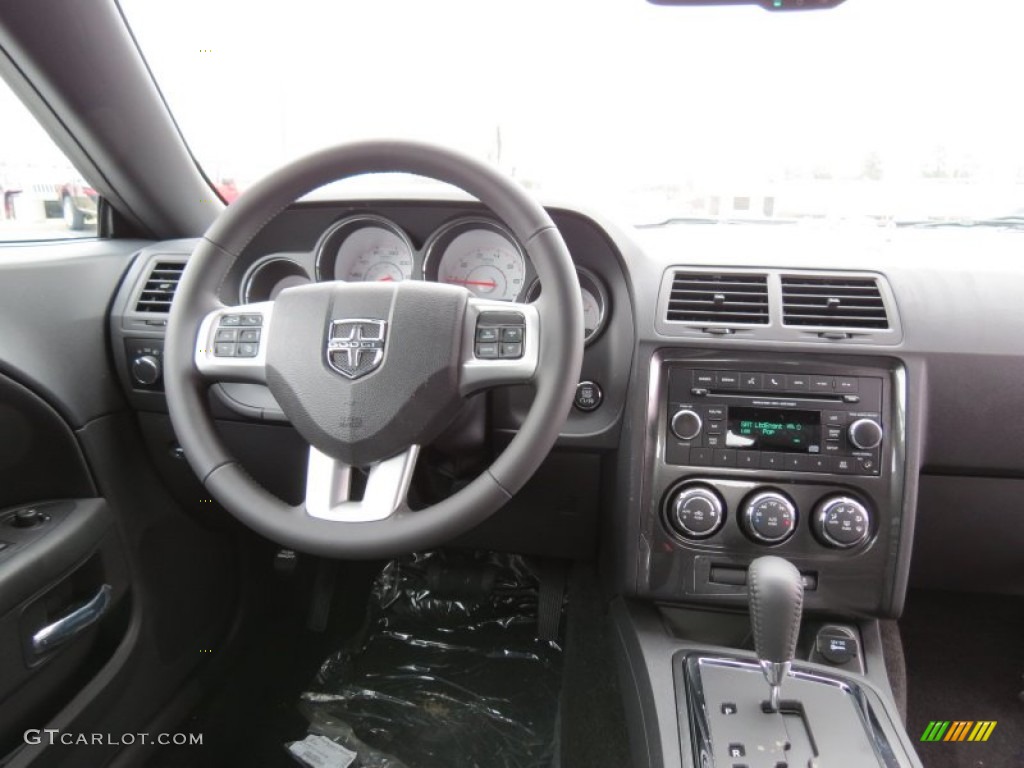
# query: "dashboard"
{"points": [[744, 391]]}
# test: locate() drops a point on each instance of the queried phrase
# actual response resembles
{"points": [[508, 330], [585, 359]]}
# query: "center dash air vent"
{"points": [[709, 297], [159, 289], [833, 302]]}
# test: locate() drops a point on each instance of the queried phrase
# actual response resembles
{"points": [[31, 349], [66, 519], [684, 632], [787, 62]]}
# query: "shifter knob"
{"points": [[776, 594]]}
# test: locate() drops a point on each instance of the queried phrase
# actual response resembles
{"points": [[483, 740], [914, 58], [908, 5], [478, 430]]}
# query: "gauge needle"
{"points": [[482, 283], [387, 279]]}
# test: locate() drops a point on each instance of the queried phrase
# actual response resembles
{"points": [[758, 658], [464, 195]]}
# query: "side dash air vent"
{"points": [[708, 297], [160, 286], [833, 302]]}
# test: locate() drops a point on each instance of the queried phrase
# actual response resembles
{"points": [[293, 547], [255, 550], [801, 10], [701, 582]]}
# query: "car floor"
{"points": [[263, 701], [965, 661]]}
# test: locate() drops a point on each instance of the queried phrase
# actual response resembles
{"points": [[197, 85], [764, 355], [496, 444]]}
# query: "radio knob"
{"points": [[769, 517], [696, 512], [146, 370], [865, 434], [842, 522], [686, 424]]}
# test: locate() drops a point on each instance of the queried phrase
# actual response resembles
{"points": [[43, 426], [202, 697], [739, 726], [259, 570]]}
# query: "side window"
{"points": [[42, 196]]}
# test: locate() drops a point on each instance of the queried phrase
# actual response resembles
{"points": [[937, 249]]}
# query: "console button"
{"points": [[725, 457], [845, 465], [819, 463], [833, 447], [774, 382], [715, 412], [588, 396], [751, 381], [748, 459], [700, 457], [772, 460], [798, 382], [704, 378], [798, 462], [715, 427], [821, 384], [834, 433], [728, 708], [727, 379], [737, 750], [835, 418], [868, 465], [847, 385], [714, 441]]}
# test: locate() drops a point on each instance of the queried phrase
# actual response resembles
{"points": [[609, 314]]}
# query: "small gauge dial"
{"points": [[595, 302], [365, 249], [479, 255], [268, 277]]}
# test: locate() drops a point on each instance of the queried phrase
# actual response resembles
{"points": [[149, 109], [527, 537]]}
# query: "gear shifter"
{"points": [[776, 593]]}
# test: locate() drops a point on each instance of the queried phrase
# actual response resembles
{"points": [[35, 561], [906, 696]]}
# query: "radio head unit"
{"points": [[794, 421]]}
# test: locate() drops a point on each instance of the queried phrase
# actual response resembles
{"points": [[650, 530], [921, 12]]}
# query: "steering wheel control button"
{"points": [[246, 349], [769, 517], [686, 424], [487, 351], [488, 334], [224, 349], [251, 320], [696, 512], [588, 396], [837, 645], [226, 334], [249, 334], [500, 335], [842, 522], [231, 320]]}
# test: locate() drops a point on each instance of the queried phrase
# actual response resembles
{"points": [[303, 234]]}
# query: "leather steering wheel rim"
{"points": [[559, 356]]}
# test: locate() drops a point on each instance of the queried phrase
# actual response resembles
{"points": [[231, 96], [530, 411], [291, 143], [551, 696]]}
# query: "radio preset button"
{"points": [[724, 457], [700, 457], [748, 459], [820, 464], [798, 462], [686, 424], [772, 461], [677, 454]]}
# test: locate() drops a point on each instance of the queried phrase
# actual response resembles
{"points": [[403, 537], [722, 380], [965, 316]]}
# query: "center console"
{"points": [[800, 457]]}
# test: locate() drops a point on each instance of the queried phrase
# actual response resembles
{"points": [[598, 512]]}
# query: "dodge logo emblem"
{"points": [[356, 347]]}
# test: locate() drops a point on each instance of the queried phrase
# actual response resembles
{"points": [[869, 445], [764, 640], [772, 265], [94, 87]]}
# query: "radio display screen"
{"points": [[768, 429]]}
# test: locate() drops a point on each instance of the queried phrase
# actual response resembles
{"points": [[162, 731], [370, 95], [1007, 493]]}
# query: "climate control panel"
{"points": [[698, 511]]}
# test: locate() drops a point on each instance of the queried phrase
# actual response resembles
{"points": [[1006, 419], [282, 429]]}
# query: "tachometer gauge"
{"points": [[480, 255], [595, 302], [364, 249]]}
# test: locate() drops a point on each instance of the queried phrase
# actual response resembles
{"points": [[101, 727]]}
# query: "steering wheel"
{"points": [[369, 372]]}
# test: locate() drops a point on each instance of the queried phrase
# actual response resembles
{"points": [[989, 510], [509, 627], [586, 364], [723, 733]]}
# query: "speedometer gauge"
{"points": [[480, 255], [364, 249]]}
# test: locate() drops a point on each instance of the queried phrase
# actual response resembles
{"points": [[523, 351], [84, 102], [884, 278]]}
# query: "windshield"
{"points": [[874, 111]]}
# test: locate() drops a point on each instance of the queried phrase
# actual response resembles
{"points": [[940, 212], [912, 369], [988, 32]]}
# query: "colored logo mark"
{"points": [[958, 730]]}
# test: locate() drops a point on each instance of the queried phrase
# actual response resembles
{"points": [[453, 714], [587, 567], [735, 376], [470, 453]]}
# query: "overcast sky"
{"points": [[598, 94]]}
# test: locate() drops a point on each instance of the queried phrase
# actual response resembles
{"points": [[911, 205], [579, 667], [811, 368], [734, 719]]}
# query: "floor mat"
{"points": [[450, 673], [965, 661]]}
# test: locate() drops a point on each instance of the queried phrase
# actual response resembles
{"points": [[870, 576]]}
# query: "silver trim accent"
{"points": [[259, 265], [477, 374], [372, 219], [246, 369], [328, 484], [850, 431], [685, 494], [474, 222], [748, 511], [681, 412], [774, 672], [822, 511], [355, 344], [72, 625]]}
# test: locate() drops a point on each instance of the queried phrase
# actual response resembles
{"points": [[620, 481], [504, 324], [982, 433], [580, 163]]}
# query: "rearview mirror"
{"points": [[768, 5]]}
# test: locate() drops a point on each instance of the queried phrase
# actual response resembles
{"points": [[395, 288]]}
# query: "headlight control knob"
{"points": [[146, 370], [842, 522]]}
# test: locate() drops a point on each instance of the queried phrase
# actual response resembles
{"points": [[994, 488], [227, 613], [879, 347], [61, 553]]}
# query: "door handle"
{"points": [[72, 625]]}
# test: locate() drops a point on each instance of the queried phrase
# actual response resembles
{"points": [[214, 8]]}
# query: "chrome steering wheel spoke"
{"points": [[232, 343], [329, 483], [500, 344]]}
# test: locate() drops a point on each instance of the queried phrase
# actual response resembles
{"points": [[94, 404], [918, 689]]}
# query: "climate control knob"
{"points": [[769, 517], [842, 522], [146, 370], [865, 434], [696, 511], [686, 424]]}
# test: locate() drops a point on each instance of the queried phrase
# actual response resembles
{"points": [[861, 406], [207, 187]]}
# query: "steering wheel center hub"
{"points": [[363, 371]]}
